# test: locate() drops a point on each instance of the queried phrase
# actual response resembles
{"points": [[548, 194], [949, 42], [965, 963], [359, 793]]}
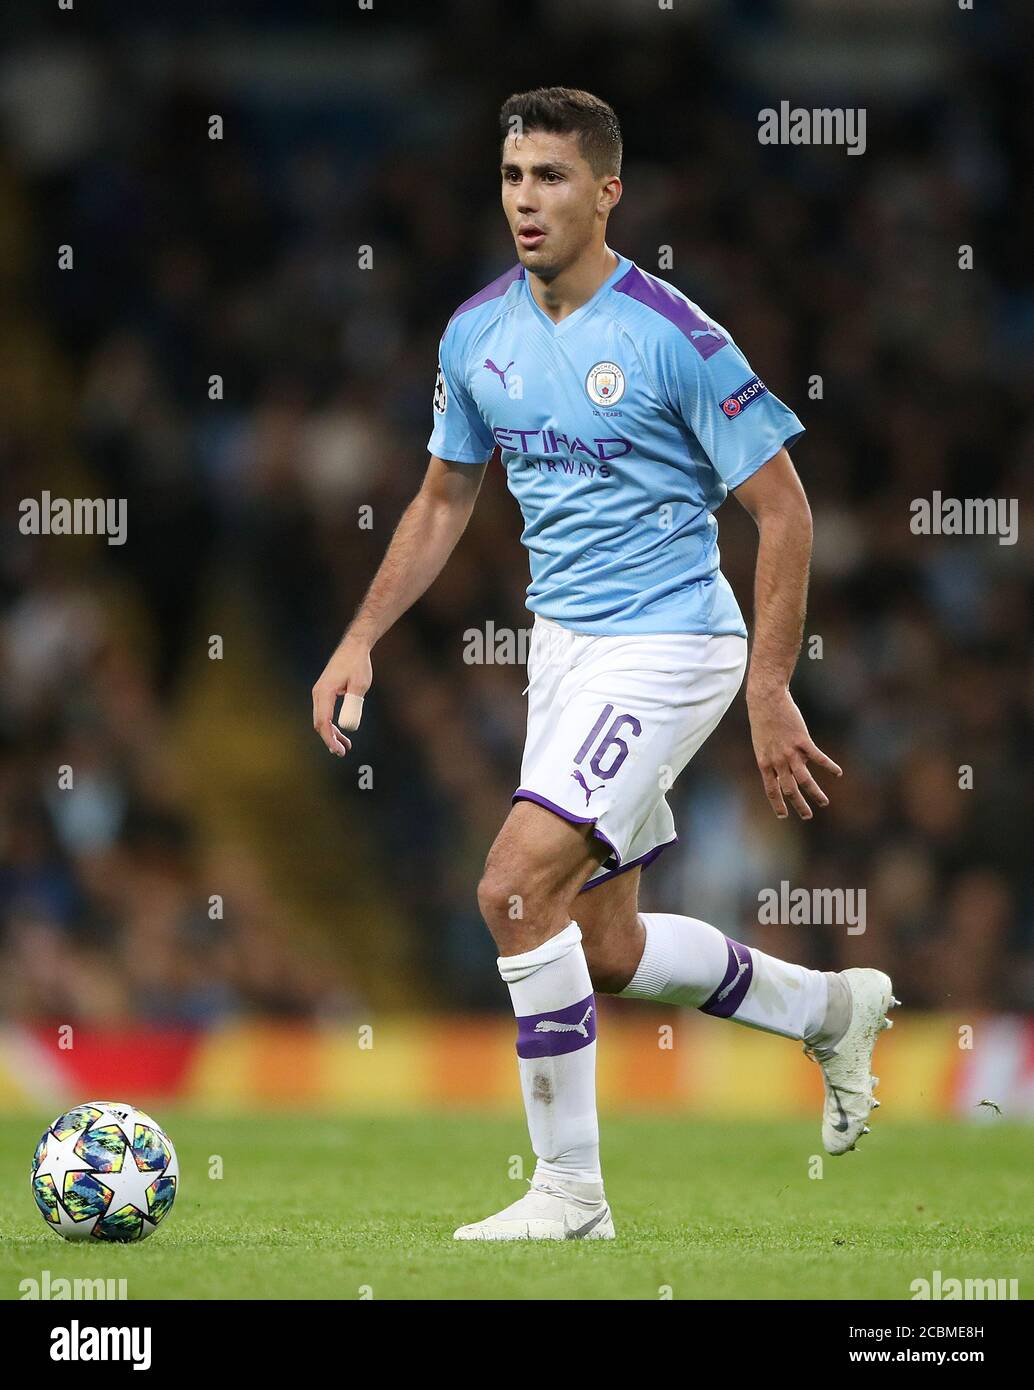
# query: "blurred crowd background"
{"points": [[210, 859]]}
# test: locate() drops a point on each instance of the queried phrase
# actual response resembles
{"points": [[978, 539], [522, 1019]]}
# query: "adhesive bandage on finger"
{"points": [[351, 712]]}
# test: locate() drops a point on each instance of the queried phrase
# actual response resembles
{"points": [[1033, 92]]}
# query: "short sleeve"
{"points": [[459, 434], [739, 423]]}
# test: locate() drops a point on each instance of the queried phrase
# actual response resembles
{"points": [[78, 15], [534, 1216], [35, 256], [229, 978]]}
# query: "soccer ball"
{"points": [[104, 1171]]}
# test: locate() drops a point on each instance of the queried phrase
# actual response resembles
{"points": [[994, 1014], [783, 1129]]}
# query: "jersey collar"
{"points": [[556, 330]]}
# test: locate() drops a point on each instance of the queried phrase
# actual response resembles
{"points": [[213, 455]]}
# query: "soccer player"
{"points": [[623, 415]]}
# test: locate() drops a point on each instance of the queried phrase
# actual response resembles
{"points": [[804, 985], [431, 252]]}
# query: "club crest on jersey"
{"points": [[605, 384], [739, 400], [441, 395]]}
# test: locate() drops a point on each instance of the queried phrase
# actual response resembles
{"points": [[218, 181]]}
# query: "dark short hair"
{"points": [[564, 110]]}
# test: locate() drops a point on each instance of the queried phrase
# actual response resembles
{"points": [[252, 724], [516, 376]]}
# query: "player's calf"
{"points": [[534, 870], [613, 937]]}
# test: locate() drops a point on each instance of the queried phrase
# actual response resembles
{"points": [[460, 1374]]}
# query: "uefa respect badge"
{"points": [[740, 399]]}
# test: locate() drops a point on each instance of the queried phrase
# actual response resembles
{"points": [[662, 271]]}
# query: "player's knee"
{"points": [[495, 899], [501, 899], [519, 910]]}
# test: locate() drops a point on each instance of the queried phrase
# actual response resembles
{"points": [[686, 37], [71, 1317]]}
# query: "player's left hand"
{"points": [[783, 749]]}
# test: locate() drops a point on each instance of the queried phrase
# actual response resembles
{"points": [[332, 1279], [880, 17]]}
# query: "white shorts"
{"points": [[612, 721]]}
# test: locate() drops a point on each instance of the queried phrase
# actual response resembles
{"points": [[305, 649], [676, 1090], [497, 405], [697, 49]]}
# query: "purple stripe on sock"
{"points": [[551, 1035], [731, 993]]}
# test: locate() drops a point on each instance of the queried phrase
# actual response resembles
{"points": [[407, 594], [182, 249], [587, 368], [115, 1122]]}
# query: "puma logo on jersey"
{"points": [[549, 1025], [706, 339], [499, 371]]}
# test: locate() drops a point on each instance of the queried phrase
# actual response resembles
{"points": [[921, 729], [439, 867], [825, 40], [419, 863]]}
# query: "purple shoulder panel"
{"points": [[495, 290], [663, 300]]}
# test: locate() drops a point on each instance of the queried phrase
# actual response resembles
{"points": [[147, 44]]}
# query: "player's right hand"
{"points": [[783, 749], [349, 671]]}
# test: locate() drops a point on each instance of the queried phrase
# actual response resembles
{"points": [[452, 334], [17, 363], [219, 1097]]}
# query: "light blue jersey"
{"points": [[622, 428]]}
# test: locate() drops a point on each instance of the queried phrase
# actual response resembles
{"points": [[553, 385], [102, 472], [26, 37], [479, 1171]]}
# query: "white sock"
{"points": [[689, 962], [556, 1054]]}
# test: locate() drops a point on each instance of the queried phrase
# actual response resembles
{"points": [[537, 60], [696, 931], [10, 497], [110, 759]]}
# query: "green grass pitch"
{"points": [[344, 1207]]}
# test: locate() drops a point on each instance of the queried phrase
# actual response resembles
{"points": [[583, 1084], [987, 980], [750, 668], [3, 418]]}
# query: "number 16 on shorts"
{"points": [[604, 763]]}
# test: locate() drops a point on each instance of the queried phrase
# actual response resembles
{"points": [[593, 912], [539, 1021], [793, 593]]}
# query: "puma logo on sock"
{"points": [[732, 983], [549, 1025]]}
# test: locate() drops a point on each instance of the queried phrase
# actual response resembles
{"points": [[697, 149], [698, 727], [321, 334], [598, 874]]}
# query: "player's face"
{"points": [[555, 205]]}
